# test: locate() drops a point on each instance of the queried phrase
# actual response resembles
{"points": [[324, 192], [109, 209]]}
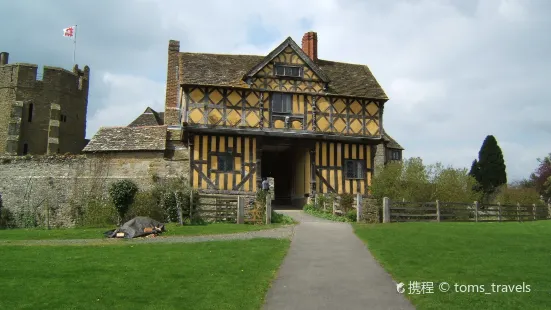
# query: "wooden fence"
{"points": [[437, 211], [228, 208]]}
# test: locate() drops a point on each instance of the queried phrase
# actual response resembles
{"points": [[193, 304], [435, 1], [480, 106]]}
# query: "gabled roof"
{"points": [[288, 42], [391, 143], [145, 138], [228, 71], [148, 118]]}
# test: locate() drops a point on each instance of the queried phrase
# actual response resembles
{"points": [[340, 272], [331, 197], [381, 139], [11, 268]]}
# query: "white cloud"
{"points": [[455, 71], [127, 96]]}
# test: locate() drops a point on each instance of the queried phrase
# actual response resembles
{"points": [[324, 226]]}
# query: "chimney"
{"points": [[4, 58], [310, 45], [172, 86]]}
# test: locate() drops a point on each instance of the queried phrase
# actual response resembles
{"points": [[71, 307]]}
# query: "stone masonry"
{"points": [[40, 115]]}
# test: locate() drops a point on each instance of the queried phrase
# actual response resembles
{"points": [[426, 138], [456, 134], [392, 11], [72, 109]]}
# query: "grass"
{"points": [[208, 275], [469, 254], [95, 233]]}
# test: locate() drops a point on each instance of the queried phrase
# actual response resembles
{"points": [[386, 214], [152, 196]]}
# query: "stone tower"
{"points": [[42, 115]]}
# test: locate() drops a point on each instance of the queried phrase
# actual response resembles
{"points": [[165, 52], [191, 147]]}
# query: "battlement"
{"points": [[53, 78]]}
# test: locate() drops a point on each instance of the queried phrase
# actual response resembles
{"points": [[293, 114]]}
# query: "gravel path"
{"points": [[282, 232]]}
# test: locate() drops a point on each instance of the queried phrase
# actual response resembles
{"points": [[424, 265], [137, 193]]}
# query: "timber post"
{"points": [[240, 210], [313, 174], [268, 209], [191, 206], [438, 210], [386, 210], [358, 207], [534, 210], [518, 211], [476, 211]]}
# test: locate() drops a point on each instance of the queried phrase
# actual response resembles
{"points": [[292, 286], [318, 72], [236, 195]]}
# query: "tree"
{"points": [[541, 175], [122, 195], [474, 169], [491, 166]]}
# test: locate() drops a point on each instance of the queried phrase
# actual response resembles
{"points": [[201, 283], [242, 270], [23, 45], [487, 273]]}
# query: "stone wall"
{"points": [[371, 211], [58, 183]]}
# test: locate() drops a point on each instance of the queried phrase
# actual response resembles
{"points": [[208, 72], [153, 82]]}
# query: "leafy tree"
{"points": [[474, 169], [490, 169], [122, 195], [541, 176]]}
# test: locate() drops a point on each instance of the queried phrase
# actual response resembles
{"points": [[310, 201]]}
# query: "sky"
{"points": [[455, 71]]}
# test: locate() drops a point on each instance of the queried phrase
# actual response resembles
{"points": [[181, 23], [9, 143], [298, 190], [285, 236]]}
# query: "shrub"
{"points": [[347, 200], [98, 213], [278, 218], [146, 204], [122, 195], [351, 215], [7, 220], [514, 195]]}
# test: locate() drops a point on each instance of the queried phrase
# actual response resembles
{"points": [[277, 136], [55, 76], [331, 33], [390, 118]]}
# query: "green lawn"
{"points": [[93, 233], [208, 275], [469, 254]]}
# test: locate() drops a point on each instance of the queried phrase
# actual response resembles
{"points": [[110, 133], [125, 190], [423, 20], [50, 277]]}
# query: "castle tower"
{"points": [[42, 115]]}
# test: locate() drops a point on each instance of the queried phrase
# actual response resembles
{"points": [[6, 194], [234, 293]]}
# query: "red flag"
{"points": [[69, 32]]}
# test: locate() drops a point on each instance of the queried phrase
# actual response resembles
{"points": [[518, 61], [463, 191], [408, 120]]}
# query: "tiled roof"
{"points": [[148, 118], [392, 144], [228, 70], [145, 138]]}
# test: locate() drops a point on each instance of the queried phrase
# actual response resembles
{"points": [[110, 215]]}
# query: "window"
{"points": [[64, 118], [25, 149], [395, 155], [31, 106], [354, 169], [288, 71], [281, 103], [225, 162]]}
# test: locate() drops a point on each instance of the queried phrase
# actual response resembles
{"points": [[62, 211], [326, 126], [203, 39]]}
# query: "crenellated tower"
{"points": [[42, 114]]}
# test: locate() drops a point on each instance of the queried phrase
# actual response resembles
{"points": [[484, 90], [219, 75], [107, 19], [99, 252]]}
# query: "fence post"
{"points": [[476, 211], [191, 206], [499, 212], [358, 207], [534, 209], [518, 211], [268, 209], [240, 210], [179, 208], [386, 210], [437, 210]]}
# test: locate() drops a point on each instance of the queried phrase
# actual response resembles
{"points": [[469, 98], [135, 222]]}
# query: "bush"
{"points": [[513, 195], [351, 215], [308, 208], [146, 204], [7, 220], [98, 213], [347, 200], [412, 181], [278, 218], [122, 195]]}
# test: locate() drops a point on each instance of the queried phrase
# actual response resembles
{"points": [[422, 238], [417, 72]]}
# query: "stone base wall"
{"points": [[371, 211], [50, 186]]}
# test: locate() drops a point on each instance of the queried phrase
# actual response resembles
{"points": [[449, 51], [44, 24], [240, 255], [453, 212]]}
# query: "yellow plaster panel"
{"points": [[372, 108], [252, 119], [222, 147], [322, 124], [252, 99], [214, 116], [279, 124], [215, 96], [373, 128], [356, 107], [197, 95], [234, 98], [322, 104], [339, 125], [296, 124], [233, 117], [196, 116], [356, 126], [340, 106]]}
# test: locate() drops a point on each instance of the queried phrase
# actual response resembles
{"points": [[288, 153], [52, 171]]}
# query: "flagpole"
{"points": [[75, 46]]}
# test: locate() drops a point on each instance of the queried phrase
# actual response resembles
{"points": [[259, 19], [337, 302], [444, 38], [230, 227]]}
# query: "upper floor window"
{"points": [[288, 71], [395, 155], [354, 169], [281, 103]]}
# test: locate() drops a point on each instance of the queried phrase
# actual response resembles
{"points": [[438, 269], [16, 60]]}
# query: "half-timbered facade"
{"points": [[315, 126]]}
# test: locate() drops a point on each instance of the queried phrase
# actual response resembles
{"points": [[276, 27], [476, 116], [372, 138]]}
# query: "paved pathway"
{"points": [[282, 232], [328, 267]]}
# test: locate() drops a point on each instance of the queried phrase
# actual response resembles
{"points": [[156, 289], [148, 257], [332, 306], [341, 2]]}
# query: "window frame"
{"points": [[289, 68], [355, 162], [225, 162], [395, 155], [289, 109]]}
